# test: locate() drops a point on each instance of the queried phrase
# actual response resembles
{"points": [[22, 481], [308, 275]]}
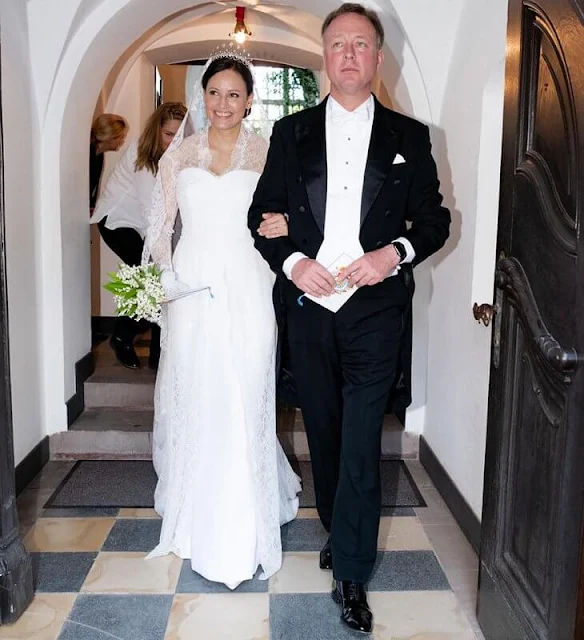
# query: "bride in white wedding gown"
{"points": [[224, 483]]}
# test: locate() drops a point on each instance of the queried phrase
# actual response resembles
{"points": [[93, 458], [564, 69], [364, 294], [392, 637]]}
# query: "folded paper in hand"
{"points": [[343, 289]]}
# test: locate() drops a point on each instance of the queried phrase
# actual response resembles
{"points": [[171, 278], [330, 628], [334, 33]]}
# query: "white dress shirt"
{"points": [[127, 196], [348, 134]]}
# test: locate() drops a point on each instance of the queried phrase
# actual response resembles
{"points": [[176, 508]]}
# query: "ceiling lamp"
{"points": [[240, 33]]}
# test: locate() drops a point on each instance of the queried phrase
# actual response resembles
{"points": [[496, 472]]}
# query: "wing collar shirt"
{"points": [[348, 134]]}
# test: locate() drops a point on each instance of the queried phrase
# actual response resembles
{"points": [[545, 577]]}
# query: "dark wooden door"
{"points": [[534, 475], [16, 589]]}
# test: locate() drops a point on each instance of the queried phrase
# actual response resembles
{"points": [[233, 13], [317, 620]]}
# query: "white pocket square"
{"points": [[399, 159]]}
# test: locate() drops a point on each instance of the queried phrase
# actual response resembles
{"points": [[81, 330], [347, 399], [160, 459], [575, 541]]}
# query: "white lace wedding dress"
{"points": [[224, 483]]}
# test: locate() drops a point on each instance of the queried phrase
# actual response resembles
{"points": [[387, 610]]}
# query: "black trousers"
{"points": [[344, 365], [127, 245]]}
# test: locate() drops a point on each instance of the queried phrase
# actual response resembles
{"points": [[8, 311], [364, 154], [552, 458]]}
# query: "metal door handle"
{"points": [[484, 313]]}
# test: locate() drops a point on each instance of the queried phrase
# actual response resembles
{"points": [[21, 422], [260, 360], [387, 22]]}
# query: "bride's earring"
{"points": [[247, 112]]}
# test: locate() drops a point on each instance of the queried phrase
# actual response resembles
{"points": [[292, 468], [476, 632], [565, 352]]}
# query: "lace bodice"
{"points": [[249, 154]]}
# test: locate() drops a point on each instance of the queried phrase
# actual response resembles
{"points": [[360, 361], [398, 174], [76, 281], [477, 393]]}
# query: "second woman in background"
{"points": [[122, 213]]}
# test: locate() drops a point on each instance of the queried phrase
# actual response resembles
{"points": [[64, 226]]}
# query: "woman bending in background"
{"points": [[108, 133], [122, 211]]}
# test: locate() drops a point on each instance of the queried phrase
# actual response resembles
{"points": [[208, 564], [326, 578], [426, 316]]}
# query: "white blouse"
{"points": [[127, 195]]}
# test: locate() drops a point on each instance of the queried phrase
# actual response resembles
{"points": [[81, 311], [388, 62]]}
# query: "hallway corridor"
{"points": [[92, 582]]}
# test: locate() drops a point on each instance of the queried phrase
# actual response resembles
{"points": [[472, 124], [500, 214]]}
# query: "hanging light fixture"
{"points": [[240, 33]]}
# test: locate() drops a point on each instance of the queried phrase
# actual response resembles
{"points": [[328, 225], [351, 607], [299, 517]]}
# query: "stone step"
{"points": [[122, 395], [112, 419], [112, 385], [99, 445], [117, 422], [126, 433]]}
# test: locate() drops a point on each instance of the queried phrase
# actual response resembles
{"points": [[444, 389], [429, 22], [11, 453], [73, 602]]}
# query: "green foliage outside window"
{"points": [[298, 88]]}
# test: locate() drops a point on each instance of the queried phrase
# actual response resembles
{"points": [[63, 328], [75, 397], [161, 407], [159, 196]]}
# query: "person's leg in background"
{"points": [[127, 245], [154, 355]]}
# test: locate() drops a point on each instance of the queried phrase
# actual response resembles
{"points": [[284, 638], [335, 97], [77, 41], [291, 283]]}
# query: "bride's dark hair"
{"points": [[224, 64]]}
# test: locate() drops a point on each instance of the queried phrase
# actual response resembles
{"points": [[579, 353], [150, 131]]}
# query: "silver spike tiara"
{"points": [[233, 53]]}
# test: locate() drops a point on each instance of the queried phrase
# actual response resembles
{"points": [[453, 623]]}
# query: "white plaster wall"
{"points": [[20, 131], [431, 29], [45, 51], [468, 146], [419, 39]]}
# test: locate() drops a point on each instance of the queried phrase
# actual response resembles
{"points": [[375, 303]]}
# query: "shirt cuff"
{"points": [[290, 263], [394, 272], [410, 251]]}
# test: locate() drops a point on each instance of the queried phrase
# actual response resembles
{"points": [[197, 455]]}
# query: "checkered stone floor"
{"points": [[92, 581]]}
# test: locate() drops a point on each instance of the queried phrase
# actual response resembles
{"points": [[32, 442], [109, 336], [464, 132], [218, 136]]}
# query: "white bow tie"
{"points": [[342, 117]]}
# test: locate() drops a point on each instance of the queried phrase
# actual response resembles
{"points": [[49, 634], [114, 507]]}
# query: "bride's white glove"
{"points": [[172, 286]]}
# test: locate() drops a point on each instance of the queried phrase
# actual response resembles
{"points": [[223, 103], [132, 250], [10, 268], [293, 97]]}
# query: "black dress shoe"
{"points": [[125, 353], [355, 611], [326, 556]]}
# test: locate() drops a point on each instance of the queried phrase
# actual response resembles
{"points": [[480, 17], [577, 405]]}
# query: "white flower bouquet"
{"points": [[138, 292]]}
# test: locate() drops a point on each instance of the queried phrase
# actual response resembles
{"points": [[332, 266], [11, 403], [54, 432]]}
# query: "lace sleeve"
{"points": [[255, 150], [160, 249]]}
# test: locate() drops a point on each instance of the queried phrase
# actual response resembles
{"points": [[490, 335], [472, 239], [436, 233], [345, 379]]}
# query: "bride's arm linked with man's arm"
{"points": [[282, 254], [274, 250]]}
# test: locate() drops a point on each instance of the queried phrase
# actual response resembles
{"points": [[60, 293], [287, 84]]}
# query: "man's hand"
{"points": [[311, 277], [372, 267]]}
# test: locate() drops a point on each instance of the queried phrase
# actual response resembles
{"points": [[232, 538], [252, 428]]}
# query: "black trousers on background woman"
{"points": [[127, 245]]}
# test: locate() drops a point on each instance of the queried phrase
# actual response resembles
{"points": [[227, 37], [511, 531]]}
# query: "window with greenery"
{"points": [[285, 90]]}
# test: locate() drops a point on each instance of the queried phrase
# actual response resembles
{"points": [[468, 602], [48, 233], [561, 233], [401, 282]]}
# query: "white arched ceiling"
{"points": [[216, 26], [264, 51], [113, 28], [192, 36], [101, 34]]}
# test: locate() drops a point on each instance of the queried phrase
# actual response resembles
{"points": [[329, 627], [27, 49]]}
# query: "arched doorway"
{"points": [[290, 36], [70, 107]]}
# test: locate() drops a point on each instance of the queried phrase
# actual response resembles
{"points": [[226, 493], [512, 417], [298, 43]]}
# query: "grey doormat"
{"points": [[398, 488], [106, 483], [131, 483]]}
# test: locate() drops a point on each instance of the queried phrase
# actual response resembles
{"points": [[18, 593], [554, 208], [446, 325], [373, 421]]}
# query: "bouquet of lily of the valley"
{"points": [[138, 292]]}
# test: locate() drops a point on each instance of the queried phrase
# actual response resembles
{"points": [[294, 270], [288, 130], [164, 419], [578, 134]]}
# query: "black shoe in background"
{"points": [[326, 556], [125, 353]]}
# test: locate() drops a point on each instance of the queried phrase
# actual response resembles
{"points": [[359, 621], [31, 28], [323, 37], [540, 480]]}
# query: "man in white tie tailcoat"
{"points": [[349, 174]]}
